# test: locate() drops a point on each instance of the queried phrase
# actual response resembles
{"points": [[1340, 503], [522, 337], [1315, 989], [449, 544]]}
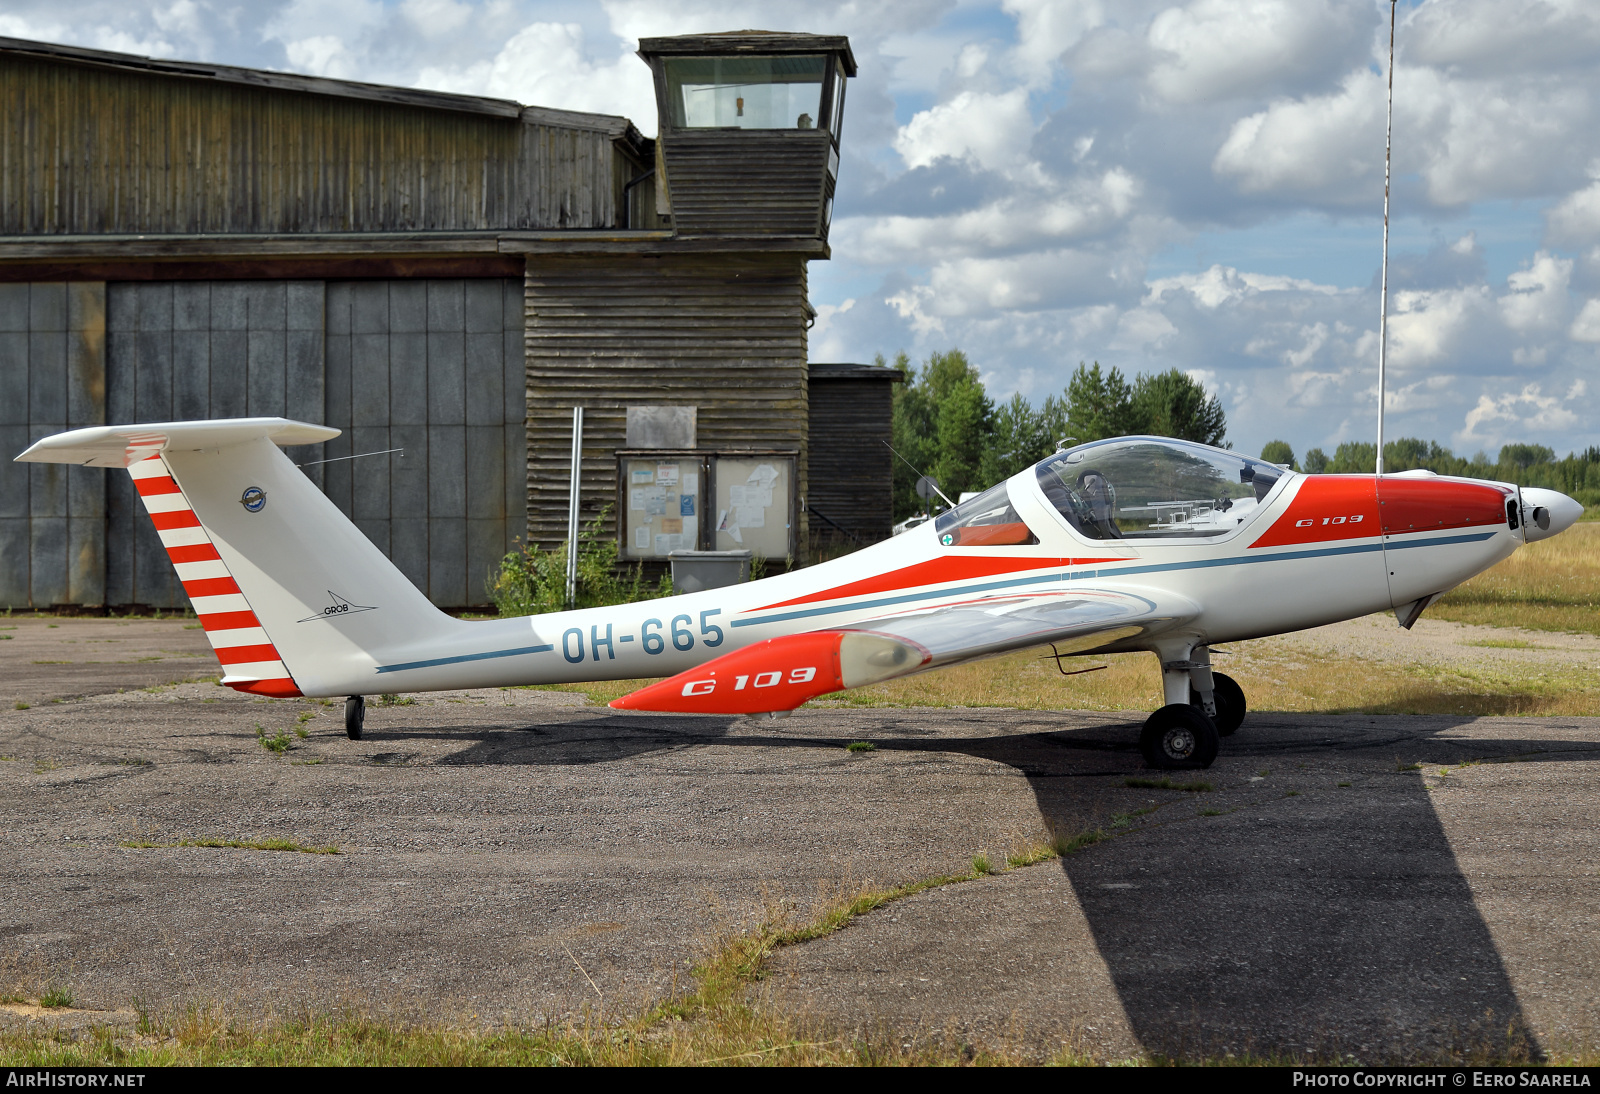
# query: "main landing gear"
{"points": [[355, 713], [1202, 707]]}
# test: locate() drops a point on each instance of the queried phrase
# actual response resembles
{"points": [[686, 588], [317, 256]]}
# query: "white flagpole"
{"points": [[574, 495], [1383, 302]]}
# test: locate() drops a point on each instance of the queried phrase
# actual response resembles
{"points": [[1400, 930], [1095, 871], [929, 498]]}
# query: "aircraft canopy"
{"points": [[1154, 488]]}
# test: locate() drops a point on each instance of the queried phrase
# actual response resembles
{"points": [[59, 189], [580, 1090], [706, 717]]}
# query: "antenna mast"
{"points": [[1383, 301]]}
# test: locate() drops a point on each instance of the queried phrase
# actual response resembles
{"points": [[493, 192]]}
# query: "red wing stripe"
{"points": [[156, 484], [230, 621], [198, 552], [210, 586], [241, 655], [182, 518], [937, 571]]}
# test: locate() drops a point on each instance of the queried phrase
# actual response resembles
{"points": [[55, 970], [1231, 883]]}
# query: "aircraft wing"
{"points": [[779, 674]]}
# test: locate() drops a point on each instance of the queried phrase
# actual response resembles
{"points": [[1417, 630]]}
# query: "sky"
{"points": [[1148, 185]]}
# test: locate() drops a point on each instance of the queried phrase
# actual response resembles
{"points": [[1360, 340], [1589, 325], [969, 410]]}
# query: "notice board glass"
{"points": [[755, 505], [661, 508]]}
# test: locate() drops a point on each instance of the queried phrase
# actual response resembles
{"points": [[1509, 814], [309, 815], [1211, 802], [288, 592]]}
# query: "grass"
{"points": [[1198, 786], [279, 744], [20, 705], [55, 997], [248, 845], [1552, 585], [1276, 674], [387, 700], [719, 1017], [1123, 820], [860, 746]]}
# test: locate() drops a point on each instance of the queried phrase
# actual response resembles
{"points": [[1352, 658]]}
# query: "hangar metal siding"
{"points": [[107, 150], [723, 333]]}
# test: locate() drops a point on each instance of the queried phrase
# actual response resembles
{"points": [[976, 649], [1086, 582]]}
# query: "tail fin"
{"points": [[294, 598]]}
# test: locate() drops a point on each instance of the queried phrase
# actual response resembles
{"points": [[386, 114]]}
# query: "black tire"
{"points": [[1229, 698], [1178, 737], [355, 713]]}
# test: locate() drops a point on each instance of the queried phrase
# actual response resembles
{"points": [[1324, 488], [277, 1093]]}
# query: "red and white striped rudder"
{"points": [[250, 662]]}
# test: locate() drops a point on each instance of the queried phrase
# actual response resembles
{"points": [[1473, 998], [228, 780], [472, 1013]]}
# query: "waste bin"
{"points": [[694, 571]]}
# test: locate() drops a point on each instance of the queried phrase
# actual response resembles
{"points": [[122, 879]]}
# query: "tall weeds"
{"points": [[531, 581]]}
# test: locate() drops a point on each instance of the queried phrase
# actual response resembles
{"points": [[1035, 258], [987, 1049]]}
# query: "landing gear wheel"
{"points": [[1229, 698], [355, 712], [1178, 737]]}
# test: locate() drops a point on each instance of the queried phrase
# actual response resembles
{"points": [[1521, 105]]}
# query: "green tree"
{"points": [[963, 422], [1022, 436], [1280, 452], [1170, 404], [1316, 462], [942, 426], [946, 426], [1524, 456], [1354, 458], [1099, 405]]}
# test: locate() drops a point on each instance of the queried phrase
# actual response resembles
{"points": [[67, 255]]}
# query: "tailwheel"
{"points": [[355, 713], [1178, 737], [1229, 699]]}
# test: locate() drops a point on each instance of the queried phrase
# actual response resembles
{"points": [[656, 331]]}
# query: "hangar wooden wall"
{"points": [[724, 333], [92, 146]]}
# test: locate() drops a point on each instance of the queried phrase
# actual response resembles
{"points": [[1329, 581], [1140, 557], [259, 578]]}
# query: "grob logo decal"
{"points": [[254, 499], [340, 606]]}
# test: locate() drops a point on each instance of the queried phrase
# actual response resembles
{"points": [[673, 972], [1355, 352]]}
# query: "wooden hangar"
{"points": [[443, 274]]}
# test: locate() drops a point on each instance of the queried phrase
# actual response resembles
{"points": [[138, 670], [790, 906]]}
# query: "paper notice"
{"points": [[686, 505], [666, 474], [636, 499], [736, 497], [655, 500], [691, 482], [734, 533], [764, 475], [673, 526], [752, 516], [641, 538], [663, 544], [761, 496], [643, 476]]}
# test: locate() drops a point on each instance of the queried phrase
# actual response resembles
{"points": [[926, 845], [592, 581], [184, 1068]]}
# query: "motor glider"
{"points": [[1130, 544]]}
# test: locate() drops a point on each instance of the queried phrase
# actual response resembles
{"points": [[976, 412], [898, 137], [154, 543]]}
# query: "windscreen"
{"points": [[987, 520], [1154, 488]]}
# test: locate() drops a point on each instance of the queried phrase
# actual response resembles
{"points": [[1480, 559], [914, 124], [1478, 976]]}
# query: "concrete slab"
{"points": [[517, 854], [49, 658]]}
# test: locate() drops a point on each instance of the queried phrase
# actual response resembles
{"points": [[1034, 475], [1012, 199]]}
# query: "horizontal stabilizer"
{"points": [[781, 673], [126, 445]]}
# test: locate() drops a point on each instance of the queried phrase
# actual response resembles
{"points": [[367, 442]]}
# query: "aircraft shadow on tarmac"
{"points": [[1329, 926]]}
